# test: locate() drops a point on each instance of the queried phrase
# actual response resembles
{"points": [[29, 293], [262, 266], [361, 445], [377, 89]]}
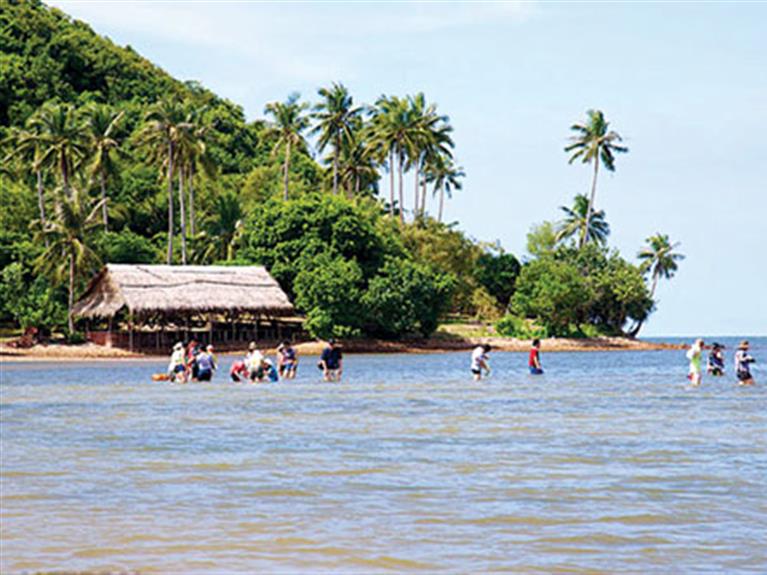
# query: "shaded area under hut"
{"points": [[150, 307]]}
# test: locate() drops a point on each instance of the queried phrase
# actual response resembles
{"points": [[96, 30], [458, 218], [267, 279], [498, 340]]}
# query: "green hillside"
{"points": [[107, 158]]}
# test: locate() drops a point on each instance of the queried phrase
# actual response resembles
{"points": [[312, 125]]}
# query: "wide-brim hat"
{"points": [[743, 344], [252, 346], [178, 345]]}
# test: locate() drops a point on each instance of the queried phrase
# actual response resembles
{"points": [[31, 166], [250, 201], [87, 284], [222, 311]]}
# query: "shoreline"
{"points": [[93, 352]]}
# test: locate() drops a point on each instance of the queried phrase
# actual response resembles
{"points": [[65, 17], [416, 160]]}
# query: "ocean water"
{"points": [[609, 462]]}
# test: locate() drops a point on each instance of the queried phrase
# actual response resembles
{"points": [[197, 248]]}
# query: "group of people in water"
{"points": [[195, 363], [480, 360], [715, 364]]}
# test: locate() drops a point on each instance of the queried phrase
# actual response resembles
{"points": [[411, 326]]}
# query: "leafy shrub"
{"points": [[125, 247], [511, 325], [406, 297]]}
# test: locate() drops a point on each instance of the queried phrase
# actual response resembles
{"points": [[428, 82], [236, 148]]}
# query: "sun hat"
{"points": [[743, 344], [210, 347], [252, 346], [178, 345]]}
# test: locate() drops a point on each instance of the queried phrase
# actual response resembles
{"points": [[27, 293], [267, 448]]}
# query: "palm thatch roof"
{"points": [[144, 289]]}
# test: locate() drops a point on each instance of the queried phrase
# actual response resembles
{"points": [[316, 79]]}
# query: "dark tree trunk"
{"points": [[71, 301], [286, 168], [41, 204], [104, 213], [182, 214], [170, 202], [391, 182], [189, 184]]}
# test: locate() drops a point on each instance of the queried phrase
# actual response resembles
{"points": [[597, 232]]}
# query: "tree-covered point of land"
{"points": [[107, 158]]}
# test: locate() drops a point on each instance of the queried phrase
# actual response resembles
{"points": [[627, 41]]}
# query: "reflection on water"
{"points": [[606, 463]]}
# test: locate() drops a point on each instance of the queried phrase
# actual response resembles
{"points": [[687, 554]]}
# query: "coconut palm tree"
{"points": [[288, 124], [26, 147], [395, 129], [63, 139], [594, 142], [445, 177], [161, 133], [195, 155], [102, 124], [658, 258], [597, 229], [335, 116], [69, 232]]}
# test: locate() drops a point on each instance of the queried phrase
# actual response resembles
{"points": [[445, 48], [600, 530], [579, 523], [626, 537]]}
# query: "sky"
{"points": [[685, 84]]}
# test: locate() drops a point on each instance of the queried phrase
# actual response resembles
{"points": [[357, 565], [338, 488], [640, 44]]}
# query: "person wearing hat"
{"points": [[331, 362], [206, 364], [254, 361], [694, 354], [177, 365], [715, 365], [743, 363]]}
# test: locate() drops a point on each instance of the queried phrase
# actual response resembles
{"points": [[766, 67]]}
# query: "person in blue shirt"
{"points": [[206, 364], [331, 362]]}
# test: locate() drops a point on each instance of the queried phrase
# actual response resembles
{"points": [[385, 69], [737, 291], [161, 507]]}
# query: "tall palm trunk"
{"points": [[189, 184], [441, 203], [182, 214], [415, 192], [654, 285], [357, 184], [104, 214], [41, 203], [590, 209], [423, 197], [286, 168], [401, 190], [391, 182], [170, 202], [335, 165], [71, 301], [65, 176]]}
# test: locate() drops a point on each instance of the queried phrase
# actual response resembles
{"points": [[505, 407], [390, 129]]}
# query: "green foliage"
{"points": [[280, 233], [125, 247], [328, 289], [448, 250], [30, 301], [511, 325], [541, 239], [552, 292], [485, 305], [497, 274], [406, 297]]}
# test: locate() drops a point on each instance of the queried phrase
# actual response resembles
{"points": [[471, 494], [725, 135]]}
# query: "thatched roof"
{"points": [[171, 289]]}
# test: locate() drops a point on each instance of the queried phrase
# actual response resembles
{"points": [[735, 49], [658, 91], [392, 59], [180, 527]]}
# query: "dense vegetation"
{"points": [[107, 158]]}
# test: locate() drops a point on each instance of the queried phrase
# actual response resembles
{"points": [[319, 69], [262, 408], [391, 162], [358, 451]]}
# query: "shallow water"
{"points": [[608, 462]]}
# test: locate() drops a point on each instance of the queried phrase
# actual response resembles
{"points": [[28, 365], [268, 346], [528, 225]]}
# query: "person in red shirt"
{"points": [[534, 363]]}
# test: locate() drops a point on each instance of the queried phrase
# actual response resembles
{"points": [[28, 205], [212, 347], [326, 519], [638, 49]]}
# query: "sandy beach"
{"points": [[90, 351]]}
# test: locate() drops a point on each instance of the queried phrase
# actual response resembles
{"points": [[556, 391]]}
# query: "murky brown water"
{"points": [[607, 463]]}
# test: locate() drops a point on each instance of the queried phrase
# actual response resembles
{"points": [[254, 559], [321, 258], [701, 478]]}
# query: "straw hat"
{"points": [[178, 345], [743, 344], [252, 346]]}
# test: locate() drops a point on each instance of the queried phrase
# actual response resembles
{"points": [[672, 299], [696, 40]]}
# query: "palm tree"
{"points": [[102, 124], [445, 177], [288, 124], [161, 133], [438, 149], [63, 138], [26, 146], [196, 156], [335, 116], [394, 129], [357, 169], [659, 258], [69, 233], [429, 136], [593, 141], [597, 229]]}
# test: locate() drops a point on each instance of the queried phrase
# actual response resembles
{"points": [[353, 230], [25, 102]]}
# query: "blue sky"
{"points": [[685, 84]]}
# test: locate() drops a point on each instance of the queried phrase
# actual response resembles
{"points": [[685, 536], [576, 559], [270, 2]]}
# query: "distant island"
{"points": [[108, 159]]}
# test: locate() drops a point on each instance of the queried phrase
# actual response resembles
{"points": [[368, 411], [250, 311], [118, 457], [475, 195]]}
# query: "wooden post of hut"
{"points": [[130, 332]]}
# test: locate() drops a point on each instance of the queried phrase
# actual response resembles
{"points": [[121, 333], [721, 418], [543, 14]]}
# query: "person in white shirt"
{"points": [[479, 361], [253, 362]]}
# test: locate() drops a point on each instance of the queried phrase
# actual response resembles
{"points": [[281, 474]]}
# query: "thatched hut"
{"points": [[151, 306]]}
